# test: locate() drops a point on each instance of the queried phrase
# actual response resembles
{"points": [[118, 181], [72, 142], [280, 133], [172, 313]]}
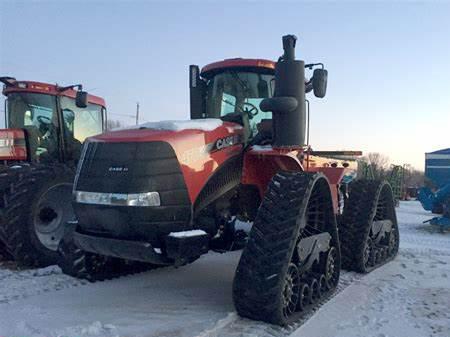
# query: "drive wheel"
{"points": [[370, 203], [297, 207], [36, 204]]}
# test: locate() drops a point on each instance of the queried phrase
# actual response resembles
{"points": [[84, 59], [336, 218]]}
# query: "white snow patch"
{"points": [[187, 234], [206, 124], [222, 323]]}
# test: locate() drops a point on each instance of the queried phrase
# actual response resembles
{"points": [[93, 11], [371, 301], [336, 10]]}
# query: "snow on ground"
{"points": [[407, 297]]}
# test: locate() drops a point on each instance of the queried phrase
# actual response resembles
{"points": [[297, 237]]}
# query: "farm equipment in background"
{"points": [[46, 125], [397, 180], [395, 177], [437, 202], [168, 192]]}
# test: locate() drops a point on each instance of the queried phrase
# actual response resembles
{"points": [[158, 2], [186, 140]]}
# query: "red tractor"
{"points": [[168, 192], [46, 125]]}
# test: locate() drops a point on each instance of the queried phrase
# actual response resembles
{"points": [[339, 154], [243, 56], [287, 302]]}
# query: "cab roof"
{"points": [[46, 88], [236, 63]]}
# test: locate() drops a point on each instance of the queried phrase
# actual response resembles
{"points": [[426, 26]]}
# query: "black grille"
{"points": [[133, 167]]}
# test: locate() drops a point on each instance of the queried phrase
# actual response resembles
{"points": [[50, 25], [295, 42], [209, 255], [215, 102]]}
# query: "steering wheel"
{"points": [[44, 120], [252, 112]]}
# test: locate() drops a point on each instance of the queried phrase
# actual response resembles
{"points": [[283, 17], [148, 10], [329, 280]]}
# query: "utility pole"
{"points": [[137, 113]]}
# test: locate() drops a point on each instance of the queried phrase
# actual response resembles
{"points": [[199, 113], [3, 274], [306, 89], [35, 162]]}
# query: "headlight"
{"points": [[118, 199]]}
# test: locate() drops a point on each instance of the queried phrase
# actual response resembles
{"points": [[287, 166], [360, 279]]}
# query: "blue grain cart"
{"points": [[437, 170], [437, 167]]}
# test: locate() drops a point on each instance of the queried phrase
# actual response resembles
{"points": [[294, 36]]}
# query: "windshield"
{"points": [[79, 123], [36, 113], [233, 92]]}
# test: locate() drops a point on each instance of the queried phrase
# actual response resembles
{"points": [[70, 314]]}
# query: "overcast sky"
{"points": [[389, 64]]}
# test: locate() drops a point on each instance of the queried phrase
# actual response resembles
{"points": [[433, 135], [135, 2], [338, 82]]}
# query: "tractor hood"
{"points": [[201, 146], [204, 135]]}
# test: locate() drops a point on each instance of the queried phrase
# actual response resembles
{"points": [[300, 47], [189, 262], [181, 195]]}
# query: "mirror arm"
{"points": [[312, 65]]}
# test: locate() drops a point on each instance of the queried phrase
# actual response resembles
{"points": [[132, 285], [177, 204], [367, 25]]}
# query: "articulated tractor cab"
{"points": [[45, 127], [167, 192]]}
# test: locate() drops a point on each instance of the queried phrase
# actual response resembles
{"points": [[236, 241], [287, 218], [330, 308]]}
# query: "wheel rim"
{"points": [[53, 211], [291, 290]]}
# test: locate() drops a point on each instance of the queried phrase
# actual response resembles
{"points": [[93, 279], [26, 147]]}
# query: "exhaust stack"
{"points": [[288, 103]]}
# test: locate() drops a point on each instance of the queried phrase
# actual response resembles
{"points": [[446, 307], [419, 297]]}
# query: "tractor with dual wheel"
{"points": [[46, 125], [167, 193]]}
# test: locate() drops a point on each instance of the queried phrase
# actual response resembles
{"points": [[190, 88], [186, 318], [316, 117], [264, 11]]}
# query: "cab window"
{"points": [[79, 123], [239, 93]]}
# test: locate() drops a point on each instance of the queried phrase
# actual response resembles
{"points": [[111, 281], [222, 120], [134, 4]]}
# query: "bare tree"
{"points": [[113, 124], [374, 165]]}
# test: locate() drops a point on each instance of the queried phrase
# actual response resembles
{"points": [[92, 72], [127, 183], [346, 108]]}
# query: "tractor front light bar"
{"points": [[118, 199]]}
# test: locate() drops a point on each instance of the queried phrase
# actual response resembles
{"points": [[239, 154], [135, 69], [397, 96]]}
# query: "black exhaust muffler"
{"points": [[288, 103]]}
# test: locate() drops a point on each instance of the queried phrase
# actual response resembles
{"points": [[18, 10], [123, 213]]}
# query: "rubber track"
{"points": [[263, 264], [355, 224], [18, 187]]}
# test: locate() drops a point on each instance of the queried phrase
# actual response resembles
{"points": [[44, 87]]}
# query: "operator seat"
{"points": [[32, 134]]}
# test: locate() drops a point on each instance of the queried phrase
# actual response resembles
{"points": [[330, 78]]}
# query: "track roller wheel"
{"points": [[315, 290], [291, 290], [369, 257], [332, 270], [323, 287], [304, 299], [295, 227], [368, 230]]}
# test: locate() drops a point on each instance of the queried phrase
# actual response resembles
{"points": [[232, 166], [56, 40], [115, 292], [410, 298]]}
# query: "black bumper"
{"points": [[177, 251], [125, 249]]}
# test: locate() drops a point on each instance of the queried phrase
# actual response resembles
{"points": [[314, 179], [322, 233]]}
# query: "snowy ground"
{"points": [[407, 297]]}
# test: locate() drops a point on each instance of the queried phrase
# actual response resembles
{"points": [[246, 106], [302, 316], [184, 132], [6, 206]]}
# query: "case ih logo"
{"points": [[118, 169], [223, 143]]}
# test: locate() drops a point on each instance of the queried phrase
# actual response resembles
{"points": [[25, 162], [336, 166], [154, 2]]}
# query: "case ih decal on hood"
{"points": [[223, 143]]}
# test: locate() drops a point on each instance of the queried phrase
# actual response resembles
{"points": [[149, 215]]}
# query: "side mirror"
{"points": [[320, 78], [81, 99], [197, 90]]}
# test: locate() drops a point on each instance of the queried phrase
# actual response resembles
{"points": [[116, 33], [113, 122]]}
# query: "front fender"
{"points": [[261, 163]]}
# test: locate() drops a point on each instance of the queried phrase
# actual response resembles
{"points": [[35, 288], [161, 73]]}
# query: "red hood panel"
{"points": [[199, 152]]}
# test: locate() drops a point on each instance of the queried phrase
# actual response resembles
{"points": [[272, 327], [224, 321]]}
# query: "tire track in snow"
{"points": [[235, 326]]}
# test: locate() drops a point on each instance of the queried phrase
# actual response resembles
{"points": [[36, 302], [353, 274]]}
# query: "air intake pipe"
{"points": [[288, 103]]}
